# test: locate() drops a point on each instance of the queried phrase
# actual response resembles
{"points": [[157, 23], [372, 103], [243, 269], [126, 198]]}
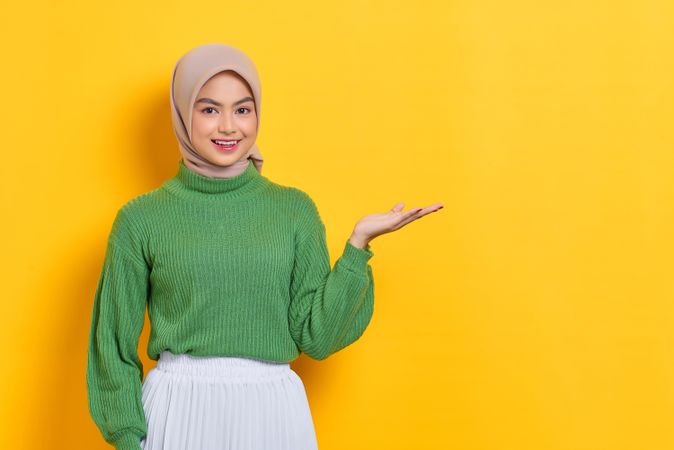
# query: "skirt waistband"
{"points": [[219, 366]]}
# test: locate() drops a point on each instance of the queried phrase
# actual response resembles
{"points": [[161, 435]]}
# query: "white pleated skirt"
{"points": [[225, 403]]}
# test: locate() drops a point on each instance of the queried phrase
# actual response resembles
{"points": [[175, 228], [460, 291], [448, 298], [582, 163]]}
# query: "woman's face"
{"points": [[224, 110]]}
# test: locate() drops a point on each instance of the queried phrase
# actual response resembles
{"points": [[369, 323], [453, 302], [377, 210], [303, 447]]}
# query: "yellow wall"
{"points": [[534, 312]]}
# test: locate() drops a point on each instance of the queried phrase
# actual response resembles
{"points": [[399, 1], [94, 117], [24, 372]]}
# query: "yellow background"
{"points": [[533, 312]]}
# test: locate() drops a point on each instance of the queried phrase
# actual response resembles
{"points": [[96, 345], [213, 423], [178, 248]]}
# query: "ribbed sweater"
{"points": [[226, 267]]}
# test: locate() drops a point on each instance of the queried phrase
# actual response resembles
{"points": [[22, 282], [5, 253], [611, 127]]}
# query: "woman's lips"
{"points": [[223, 148]]}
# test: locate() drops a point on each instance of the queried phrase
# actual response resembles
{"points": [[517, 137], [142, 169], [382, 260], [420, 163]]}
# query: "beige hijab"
{"points": [[190, 73]]}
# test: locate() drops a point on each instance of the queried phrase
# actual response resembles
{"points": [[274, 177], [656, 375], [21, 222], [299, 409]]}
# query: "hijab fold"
{"points": [[190, 73]]}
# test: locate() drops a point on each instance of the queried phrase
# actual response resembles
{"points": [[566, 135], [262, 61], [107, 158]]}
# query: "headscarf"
{"points": [[190, 73]]}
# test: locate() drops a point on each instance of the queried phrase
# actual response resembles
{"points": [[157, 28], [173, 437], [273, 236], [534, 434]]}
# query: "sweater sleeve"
{"points": [[114, 370], [329, 309]]}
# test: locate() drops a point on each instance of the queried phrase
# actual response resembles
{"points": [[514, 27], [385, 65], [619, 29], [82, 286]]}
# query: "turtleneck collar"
{"points": [[191, 185]]}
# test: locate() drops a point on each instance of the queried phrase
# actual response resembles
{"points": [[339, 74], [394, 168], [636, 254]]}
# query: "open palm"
{"points": [[374, 225]]}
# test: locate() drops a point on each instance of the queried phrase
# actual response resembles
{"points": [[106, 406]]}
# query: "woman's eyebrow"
{"points": [[213, 102]]}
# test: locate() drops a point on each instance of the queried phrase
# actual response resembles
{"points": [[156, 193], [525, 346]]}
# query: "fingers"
{"points": [[416, 213], [407, 217], [397, 208], [434, 208], [426, 210], [405, 220], [413, 213]]}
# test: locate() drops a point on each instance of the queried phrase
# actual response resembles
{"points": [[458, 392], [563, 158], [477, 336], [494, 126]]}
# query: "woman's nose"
{"points": [[227, 124]]}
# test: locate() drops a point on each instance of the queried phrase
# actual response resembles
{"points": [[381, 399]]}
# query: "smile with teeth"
{"points": [[226, 144]]}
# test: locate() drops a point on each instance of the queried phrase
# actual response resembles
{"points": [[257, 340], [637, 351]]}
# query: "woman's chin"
{"points": [[226, 160], [223, 158]]}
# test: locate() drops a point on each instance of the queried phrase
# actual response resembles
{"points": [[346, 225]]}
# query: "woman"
{"points": [[235, 272]]}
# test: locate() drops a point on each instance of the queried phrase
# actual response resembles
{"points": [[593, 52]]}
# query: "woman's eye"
{"points": [[205, 110]]}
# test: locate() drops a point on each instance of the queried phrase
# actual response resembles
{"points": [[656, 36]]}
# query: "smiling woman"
{"points": [[231, 143], [215, 96], [235, 273], [224, 120]]}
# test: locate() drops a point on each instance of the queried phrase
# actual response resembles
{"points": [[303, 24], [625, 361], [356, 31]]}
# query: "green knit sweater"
{"points": [[226, 266]]}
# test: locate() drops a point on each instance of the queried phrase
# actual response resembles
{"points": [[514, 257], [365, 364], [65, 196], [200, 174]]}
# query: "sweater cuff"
{"points": [[356, 258], [128, 440]]}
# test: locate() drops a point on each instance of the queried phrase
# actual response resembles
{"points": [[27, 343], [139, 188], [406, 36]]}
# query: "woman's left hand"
{"points": [[374, 225]]}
